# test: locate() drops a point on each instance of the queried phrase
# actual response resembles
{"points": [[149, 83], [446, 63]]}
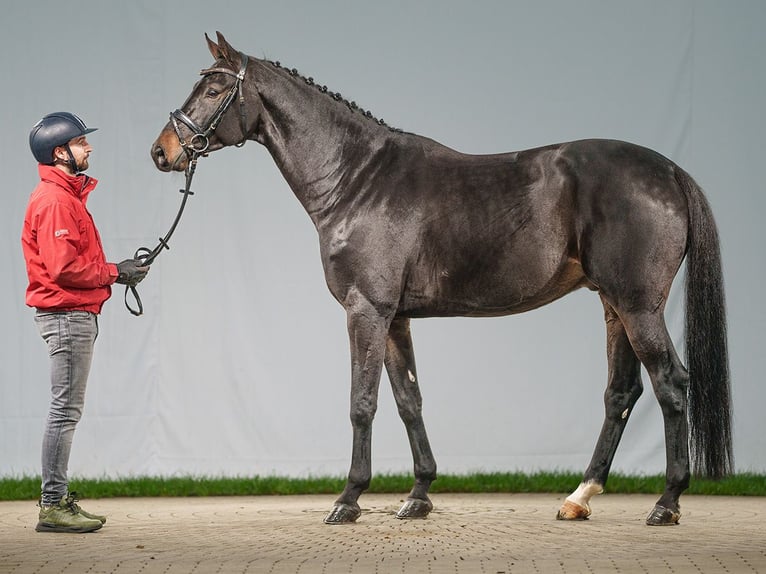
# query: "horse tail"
{"points": [[705, 339]]}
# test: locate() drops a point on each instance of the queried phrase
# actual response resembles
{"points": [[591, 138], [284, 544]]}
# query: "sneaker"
{"points": [[62, 517], [72, 499]]}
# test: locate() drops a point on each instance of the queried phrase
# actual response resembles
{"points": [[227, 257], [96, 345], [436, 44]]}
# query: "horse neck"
{"points": [[316, 141]]}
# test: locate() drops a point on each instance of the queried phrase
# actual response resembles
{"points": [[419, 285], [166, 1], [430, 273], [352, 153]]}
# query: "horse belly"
{"points": [[503, 291]]}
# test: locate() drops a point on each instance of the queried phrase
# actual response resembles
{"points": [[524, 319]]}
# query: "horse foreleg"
{"points": [[367, 333], [622, 392], [400, 365]]}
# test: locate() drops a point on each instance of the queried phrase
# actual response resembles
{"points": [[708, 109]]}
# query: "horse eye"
{"points": [[211, 93]]}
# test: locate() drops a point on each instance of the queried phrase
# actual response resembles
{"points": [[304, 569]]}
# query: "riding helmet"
{"points": [[55, 130]]}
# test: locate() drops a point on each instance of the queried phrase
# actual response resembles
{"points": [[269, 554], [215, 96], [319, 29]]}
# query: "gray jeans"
{"points": [[70, 336]]}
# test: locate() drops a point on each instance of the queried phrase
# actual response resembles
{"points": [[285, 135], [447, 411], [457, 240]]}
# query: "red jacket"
{"points": [[66, 265]]}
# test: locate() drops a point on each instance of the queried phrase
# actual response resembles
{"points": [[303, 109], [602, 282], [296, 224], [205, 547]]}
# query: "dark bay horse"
{"points": [[410, 228]]}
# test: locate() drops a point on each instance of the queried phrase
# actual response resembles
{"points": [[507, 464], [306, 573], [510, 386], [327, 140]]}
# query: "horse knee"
{"points": [[410, 413], [362, 413]]}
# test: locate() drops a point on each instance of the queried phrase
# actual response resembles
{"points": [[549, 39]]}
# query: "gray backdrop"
{"points": [[240, 365]]}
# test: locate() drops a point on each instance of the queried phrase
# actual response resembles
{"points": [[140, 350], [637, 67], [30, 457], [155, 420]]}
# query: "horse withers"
{"points": [[409, 228]]}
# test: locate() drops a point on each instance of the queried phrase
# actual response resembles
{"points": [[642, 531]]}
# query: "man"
{"points": [[69, 281]]}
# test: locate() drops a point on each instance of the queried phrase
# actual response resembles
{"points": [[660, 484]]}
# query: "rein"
{"points": [[196, 146], [146, 255]]}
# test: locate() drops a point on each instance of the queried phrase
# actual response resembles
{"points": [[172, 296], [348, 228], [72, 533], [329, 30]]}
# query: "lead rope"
{"points": [[146, 255]]}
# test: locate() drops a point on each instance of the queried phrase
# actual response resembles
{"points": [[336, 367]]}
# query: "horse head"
{"points": [[214, 116]]}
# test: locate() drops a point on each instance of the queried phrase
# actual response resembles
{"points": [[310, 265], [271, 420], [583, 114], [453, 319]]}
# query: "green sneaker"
{"points": [[72, 500], [62, 517]]}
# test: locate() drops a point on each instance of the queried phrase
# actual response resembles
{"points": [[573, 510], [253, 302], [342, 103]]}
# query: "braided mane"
{"points": [[351, 105]]}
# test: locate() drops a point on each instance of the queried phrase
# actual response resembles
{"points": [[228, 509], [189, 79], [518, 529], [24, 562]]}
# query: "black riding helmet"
{"points": [[56, 130]]}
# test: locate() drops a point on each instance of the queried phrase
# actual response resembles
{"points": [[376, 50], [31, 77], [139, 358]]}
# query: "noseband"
{"points": [[199, 141]]}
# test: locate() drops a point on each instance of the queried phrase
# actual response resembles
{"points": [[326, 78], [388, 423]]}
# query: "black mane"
{"points": [[351, 105]]}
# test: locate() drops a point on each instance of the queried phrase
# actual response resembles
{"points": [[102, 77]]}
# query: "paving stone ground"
{"points": [[474, 533]]}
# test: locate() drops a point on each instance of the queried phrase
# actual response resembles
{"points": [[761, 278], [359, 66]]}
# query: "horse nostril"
{"points": [[158, 155]]}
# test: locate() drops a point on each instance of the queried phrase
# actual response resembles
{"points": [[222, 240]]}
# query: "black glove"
{"points": [[131, 272]]}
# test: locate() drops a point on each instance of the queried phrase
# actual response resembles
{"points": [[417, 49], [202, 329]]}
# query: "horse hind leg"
{"points": [[623, 389], [400, 365], [670, 381]]}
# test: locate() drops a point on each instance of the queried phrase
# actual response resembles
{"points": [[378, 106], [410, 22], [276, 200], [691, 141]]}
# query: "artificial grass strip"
{"points": [[28, 488]]}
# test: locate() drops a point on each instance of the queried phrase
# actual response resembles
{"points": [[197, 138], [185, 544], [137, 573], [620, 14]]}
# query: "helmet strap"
{"points": [[71, 161]]}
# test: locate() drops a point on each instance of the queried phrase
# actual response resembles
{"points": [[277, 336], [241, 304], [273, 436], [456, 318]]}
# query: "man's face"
{"points": [[80, 151]]}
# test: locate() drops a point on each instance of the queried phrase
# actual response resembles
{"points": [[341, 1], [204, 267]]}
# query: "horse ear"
{"points": [[226, 49], [215, 50]]}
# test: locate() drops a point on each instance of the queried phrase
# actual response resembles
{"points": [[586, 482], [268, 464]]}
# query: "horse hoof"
{"points": [[343, 514], [661, 516], [572, 511], [415, 508]]}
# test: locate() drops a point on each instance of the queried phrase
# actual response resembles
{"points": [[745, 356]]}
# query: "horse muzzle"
{"points": [[167, 152]]}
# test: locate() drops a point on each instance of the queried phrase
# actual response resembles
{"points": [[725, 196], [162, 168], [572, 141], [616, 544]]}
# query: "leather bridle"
{"points": [[196, 146], [199, 141]]}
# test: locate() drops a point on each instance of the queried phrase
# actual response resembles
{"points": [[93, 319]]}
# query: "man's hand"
{"points": [[131, 272]]}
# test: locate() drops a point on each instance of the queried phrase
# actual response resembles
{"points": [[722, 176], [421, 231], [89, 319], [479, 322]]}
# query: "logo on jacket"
{"points": [[61, 232]]}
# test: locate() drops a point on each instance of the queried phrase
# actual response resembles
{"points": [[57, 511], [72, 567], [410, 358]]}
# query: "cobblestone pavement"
{"points": [[482, 533]]}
